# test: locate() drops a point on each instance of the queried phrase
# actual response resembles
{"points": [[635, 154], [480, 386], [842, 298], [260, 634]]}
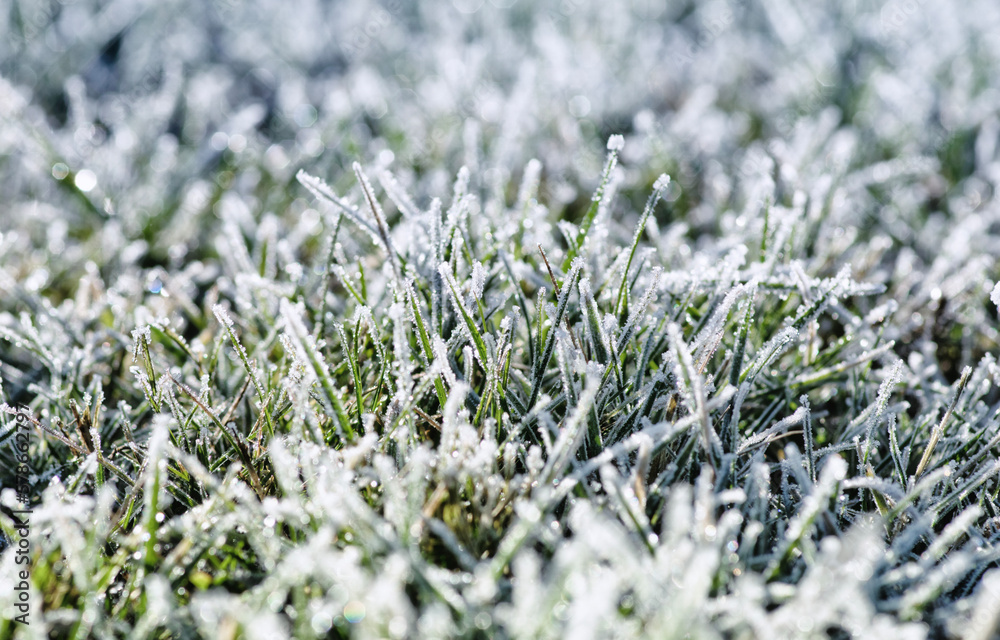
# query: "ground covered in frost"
{"points": [[502, 319]]}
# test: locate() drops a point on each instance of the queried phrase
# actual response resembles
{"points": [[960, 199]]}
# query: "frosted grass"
{"points": [[684, 325]]}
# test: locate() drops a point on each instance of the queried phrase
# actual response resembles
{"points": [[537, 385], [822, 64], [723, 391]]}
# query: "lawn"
{"points": [[499, 319]]}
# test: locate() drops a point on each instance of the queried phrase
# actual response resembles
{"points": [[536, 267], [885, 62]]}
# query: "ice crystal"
{"points": [[487, 392]]}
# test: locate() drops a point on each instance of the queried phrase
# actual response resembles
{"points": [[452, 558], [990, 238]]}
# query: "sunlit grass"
{"points": [[724, 368]]}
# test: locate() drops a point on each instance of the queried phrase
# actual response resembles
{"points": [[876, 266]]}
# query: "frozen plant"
{"points": [[467, 320]]}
